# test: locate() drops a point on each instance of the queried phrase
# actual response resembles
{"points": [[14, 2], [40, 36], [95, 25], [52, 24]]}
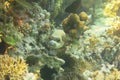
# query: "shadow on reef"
{"points": [[47, 73], [32, 60], [3, 47], [71, 68]]}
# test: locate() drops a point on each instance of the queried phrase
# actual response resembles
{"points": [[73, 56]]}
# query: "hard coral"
{"points": [[107, 72], [83, 16], [93, 41], [73, 26], [71, 22], [112, 8], [113, 75], [12, 68], [115, 29]]}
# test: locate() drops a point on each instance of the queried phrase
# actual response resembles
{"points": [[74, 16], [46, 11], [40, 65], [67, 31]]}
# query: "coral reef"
{"points": [[72, 68], [12, 21], [107, 72], [111, 8], [51, 68], [10, 34], [47, 50], [53, 6], [83, 16], [73, 26], [115, 28], [12, 68], [114, 32]]}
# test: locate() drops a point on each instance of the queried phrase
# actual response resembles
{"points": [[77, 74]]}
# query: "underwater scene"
{"points": [[59, 39]]}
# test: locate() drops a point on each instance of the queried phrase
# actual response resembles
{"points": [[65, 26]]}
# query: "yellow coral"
{"points": [[111, 8], [73, 32], [7, 5], [14, 68], [83, 16], [115, 29], [93, 41], [47, 26], [81, 24], [99, 75]]}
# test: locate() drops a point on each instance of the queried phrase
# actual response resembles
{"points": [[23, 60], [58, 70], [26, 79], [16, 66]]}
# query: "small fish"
{"points": [[74, 7]]}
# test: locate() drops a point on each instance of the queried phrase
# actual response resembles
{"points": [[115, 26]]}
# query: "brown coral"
{"points": [[83, 16], [73, 26]]}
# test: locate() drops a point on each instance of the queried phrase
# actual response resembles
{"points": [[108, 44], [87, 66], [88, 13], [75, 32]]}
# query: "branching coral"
{"points": [[14, 68], [93, 41], [115, 29], [111, 8], [113, 75]]}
